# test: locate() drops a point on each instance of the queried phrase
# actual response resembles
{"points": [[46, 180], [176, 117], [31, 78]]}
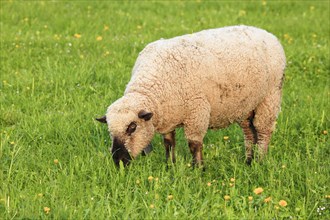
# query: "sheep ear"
{"points": [[102, 119], [143, 114]]}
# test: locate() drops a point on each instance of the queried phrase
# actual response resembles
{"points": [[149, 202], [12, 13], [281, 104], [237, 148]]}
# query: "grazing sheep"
{"points": [[209, 79]]}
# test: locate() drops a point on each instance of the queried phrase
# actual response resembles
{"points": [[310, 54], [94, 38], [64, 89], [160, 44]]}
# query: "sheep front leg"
{"points": [[169, 143], [196, 149], [195, 127]]}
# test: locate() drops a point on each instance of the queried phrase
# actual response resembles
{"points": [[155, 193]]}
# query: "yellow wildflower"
{"points": [[250, 198], [283, 203], [226, 197], [99, 38], [150, 178], [170, 197], [258, 190], [241, 13], [152, 206], [325, 132], [105, 27], [268, 199], [209, 184], [232, 179], [225, 138], [56, 161], [77, 36], [46, 210]]}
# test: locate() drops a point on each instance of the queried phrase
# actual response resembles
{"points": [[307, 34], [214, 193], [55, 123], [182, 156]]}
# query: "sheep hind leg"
{"points": [[264, 121], [250, 136], [169, 143]]}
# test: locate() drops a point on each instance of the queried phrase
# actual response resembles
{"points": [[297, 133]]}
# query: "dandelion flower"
{"points": [[56, 161], [40, 195], [225, 138], [12, 142], [77, 36], [232, 179], [170, 197], [258, 190], [209, 184], [325, 132], [327, 196], [283, 203], [105, 27], [152, 206], [231, 184], [250, 198], [241, 13], [226, 197], [150, 178], [46, 210], [99, 38], [268, 199], [283, 166]]}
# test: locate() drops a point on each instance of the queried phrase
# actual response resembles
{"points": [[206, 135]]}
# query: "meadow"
{"points": [[64, 62]]}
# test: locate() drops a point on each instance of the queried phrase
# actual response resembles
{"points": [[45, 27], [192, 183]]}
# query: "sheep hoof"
{"points": [[248, 161]]}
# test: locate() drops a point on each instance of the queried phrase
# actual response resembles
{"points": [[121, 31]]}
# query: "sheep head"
{"points": [[131, 131]]}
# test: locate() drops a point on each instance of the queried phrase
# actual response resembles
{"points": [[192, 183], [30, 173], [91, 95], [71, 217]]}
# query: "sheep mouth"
{"points": [[120, 153]]}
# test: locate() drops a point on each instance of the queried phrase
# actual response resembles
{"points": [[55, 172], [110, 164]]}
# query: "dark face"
{"points": [[119, 152]]}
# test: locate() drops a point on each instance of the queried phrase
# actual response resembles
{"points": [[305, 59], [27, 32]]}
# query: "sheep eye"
{"points": [[131, 128]]}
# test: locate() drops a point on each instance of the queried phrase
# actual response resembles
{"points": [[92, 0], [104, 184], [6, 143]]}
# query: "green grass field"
{"points": [[64, 62]]}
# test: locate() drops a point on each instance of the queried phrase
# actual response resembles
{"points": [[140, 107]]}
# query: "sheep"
{"points": [[206, 80]]}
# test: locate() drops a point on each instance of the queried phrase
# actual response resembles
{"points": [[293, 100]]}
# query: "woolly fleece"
{"points": [[208, 79]]}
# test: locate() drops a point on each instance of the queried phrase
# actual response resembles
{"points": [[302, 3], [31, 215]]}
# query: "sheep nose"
{"points": [[119, 153]]}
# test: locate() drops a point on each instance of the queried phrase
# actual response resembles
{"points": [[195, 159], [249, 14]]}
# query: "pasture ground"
{"points": [[64, 62]]}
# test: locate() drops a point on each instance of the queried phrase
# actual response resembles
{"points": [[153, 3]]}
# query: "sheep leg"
{"points": [[196, 149], [195, 127], [250, 136], [264, 120], [169, 143]]}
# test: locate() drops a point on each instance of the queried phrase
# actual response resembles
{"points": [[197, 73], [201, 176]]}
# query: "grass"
{"points": [[64, 62]]}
